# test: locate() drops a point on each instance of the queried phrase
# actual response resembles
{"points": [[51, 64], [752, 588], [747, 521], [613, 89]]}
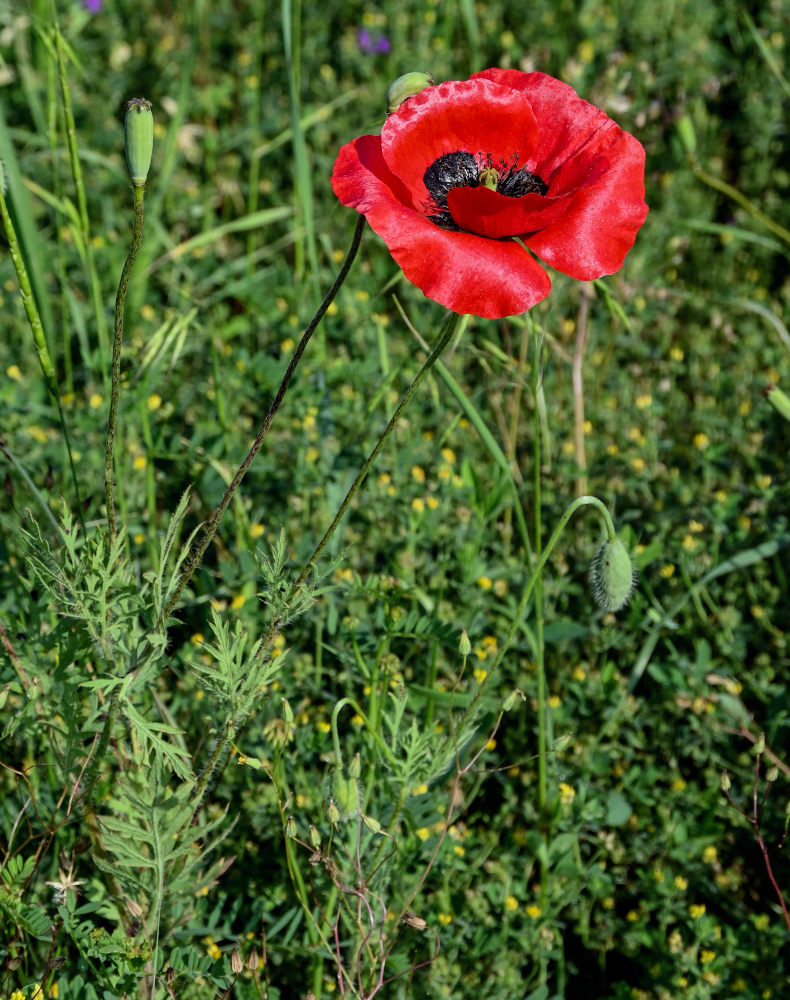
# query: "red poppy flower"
{"points": [[463, 168]]}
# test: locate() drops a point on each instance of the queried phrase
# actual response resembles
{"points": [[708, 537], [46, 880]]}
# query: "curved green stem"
{"points": [[117, 344], [585, 501], [368, 725], [213, 522], [447, 331]]}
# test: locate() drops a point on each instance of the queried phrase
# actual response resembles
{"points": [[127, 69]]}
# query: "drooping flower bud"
{"points": [[612, 576], [404, 87], [139, 128]]}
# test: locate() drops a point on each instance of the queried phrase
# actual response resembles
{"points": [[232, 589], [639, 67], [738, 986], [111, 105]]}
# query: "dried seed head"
{"points": [[236, 963], [404, 87], [612, 576], [254, 960], [412, 920], [139, 128]]}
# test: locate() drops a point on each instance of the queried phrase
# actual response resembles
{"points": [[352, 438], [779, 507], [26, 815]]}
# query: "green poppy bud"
{"points": [[139, 126], [404, 87], [726, 784], [372, 824], [464, 646], [759, 746], [612, 576]]}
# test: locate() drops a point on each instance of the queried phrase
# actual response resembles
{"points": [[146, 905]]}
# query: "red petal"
{"points": [[463, 272], [583, 154], [473, 116], [603, 217], [488, 213]]}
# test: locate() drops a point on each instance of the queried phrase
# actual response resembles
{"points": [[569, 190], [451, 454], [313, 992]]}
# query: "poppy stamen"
{"points": [[462, 169]]}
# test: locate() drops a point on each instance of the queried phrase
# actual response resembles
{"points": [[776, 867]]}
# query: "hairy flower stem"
{"points": [[539, 650], [117, 345], [39, 339], [447, 331], [213, 522]]}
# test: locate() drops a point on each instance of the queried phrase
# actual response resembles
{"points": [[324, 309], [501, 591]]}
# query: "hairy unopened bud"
{"points": [[290, 828], [562, 742], [355, 767], [772, 774], [332, 812], [404, 87], [464, 646], [345, 793], [759, 746], [612, 576], [516, 697], [315, 838], [139, 128], [726, 784], [372, 824]]}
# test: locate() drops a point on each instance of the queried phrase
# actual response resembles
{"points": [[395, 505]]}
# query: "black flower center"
{"points": [[461, 169]]}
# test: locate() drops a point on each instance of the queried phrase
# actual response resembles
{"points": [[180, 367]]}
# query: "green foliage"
{"points": [[172, 777]]}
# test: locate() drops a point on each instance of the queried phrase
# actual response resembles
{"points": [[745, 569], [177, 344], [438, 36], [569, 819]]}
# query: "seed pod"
{"points": [[404, 87], [139, 127], [612, 576]]}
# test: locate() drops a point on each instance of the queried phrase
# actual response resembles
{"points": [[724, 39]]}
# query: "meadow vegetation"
{"points": [[380, 771]]}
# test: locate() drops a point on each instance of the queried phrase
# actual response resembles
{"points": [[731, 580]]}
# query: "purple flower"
{"points": [[370, 45], [94, 6]]}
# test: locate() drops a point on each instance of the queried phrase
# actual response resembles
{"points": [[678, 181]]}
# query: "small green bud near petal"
{"points": [[139, 128], [759, 746], [404, 87], [726, 784], [612, 576], [464, 646]]}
